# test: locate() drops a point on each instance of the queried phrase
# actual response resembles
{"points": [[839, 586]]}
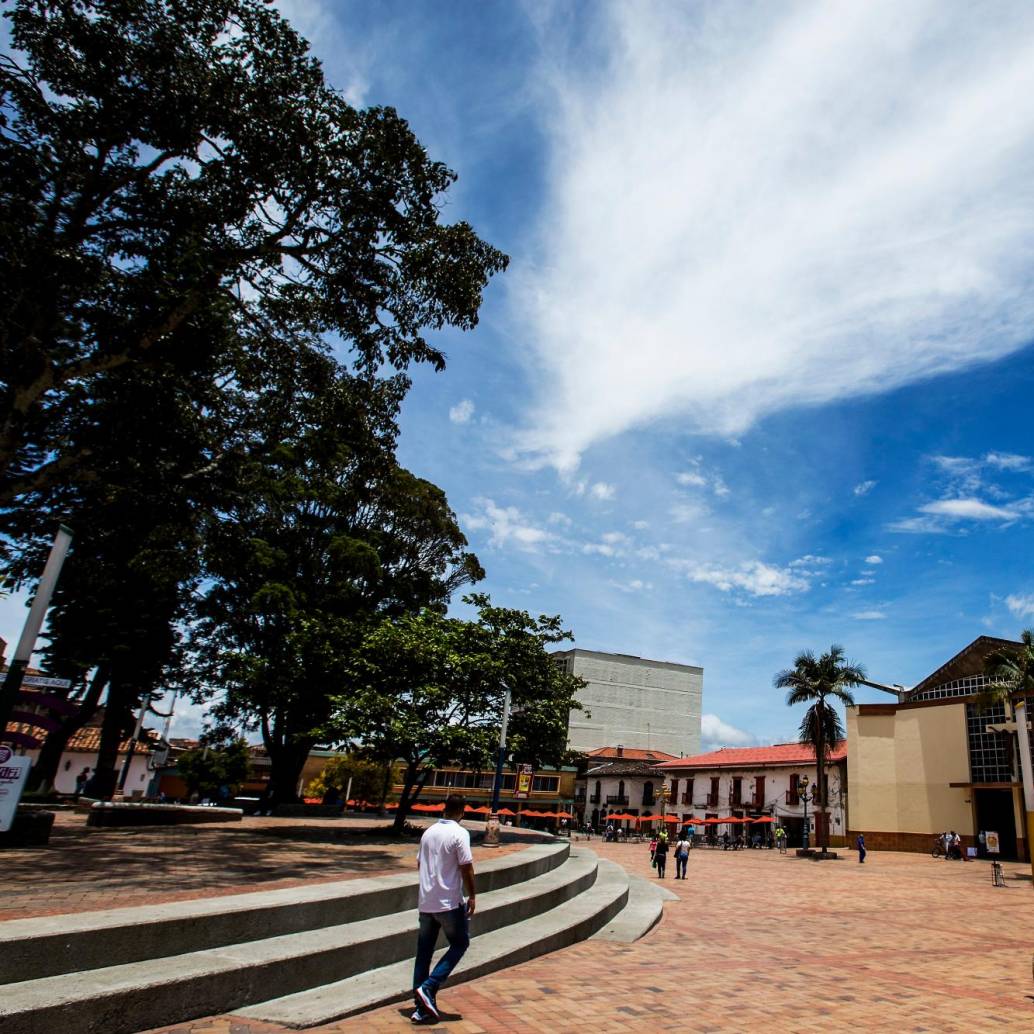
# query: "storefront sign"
{"points": [[991, 843], [13, 773], [525, 775]]}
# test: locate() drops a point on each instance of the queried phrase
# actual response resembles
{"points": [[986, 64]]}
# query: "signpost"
{"points": [[13, 773]]}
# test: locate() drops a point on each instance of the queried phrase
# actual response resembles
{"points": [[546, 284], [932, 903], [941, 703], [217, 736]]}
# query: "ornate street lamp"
{"points": [[802, 793]]}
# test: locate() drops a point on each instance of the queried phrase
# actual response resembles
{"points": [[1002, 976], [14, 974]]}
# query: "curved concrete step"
{"points": [[569, 923], [640, 915], [48, 945], [134, 996]]}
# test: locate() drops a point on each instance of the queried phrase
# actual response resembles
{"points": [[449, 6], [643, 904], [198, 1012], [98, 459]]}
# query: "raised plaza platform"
{"points": [[297, 956]]}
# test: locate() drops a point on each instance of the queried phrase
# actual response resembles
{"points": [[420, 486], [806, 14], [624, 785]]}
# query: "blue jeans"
{"points": [[454, 925], [680, 866]]}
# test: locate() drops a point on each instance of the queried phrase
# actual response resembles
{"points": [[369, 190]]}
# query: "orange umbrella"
{"points": [[644, 818], [696, 822], [672, 818], [534, 814], [620, 818], [764, 818], [480, 810], [505, 811], [564, 815]]}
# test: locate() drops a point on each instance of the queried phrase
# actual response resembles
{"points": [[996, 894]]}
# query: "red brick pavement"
{"points": [[86, 869], [763, 942]]}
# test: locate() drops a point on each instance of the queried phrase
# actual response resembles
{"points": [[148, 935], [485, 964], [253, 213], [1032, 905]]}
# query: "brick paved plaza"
{"points": [[86, 869], [763, 942]]}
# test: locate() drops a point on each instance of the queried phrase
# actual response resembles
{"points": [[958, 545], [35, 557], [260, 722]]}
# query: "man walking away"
{"points": [[660, 856], [446, 870], [860, 843], [681, 857]]}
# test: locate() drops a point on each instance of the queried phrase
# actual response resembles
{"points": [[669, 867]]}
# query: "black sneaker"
{"points": [[426, 1003]]}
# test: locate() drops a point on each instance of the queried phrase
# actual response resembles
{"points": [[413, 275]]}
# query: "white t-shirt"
{"points": [[444, 847]]}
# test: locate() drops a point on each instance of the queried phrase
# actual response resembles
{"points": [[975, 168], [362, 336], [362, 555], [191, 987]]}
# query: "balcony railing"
{"points": [[648, 800], [792, 797], [616, 799], [712, 801], [594, 799]]}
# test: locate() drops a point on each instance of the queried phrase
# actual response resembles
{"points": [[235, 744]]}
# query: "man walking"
{"points": [[860, 844], [446, 870]]}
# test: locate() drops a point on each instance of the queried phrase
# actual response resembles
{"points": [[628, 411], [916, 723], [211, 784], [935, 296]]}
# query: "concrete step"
{"points": [[641, 913], [138, 995], [567, 924], [49, 945]]}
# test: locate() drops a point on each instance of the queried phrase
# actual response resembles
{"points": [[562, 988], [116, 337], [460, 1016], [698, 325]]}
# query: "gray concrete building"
{"points": [[635, 702]]}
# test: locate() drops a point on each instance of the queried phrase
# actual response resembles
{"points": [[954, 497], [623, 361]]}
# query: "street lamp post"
{"points": [[492, 826], [802, 792]]}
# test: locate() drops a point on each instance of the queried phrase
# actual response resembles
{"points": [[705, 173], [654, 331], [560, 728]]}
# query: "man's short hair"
{"points": [[455, 804]]}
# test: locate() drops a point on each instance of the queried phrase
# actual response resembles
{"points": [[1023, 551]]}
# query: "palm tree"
{"points": [[1011, 672], [814, 680]]}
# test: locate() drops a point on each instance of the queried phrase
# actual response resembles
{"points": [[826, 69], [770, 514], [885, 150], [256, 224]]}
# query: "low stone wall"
{"points": [[919, 843], [118, 813]]}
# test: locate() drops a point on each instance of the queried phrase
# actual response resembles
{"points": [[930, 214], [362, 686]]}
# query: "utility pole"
{"points": [[492, 826], [33, 623]]}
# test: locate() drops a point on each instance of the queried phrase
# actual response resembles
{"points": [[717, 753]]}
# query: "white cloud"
{"points": [[506, 526], [863, 581], [640, 525], [691, 477], [602, 491], [874, 559], [757, 253], [634, 585], [969, 509], [560, 519], [461, 412], [683, 513], [811, 561], [1007, 461], [754, 578], [714, 733], [1021, 606], [868, 615], [864, 487]]}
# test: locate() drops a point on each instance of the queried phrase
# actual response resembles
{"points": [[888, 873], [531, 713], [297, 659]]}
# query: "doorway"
{"points": [[995, 812]]}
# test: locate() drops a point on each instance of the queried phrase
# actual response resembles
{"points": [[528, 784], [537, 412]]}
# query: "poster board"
{"points": [[525, 776], [13, 773], [991, 842]]}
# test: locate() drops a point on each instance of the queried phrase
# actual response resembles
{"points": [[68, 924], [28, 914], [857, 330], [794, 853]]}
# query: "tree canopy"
{"points": [[428, 690], [167, 162]]}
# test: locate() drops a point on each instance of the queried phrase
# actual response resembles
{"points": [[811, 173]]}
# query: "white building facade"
{"points": [[751, 782], [639, 703]]}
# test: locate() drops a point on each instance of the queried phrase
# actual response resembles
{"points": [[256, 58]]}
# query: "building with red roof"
{"points": [[774, 782]]}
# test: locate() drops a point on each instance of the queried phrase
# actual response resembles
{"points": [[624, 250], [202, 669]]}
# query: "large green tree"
{"points": [[428, 690], [164, 159], [1010, 671], [818, 681], [326, 535]]}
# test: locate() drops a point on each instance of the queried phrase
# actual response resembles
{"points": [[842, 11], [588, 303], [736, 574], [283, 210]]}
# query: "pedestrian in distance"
{"points": [[446, 868], [681, 857], [860, 844], [653, 850], [660, 856]]}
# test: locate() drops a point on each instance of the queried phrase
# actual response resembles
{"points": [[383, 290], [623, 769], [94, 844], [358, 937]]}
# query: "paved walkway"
{"points": [[763, 942], [85, 869]]}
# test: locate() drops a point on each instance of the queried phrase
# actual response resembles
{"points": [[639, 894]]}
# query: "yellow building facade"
{"points": [[929, 764]]}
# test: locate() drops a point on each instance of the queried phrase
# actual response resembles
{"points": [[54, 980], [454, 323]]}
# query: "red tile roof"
{"points": [[752, 757], [88, 739], [630, 754]]}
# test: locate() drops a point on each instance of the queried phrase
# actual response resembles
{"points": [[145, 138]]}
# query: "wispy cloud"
{"points": [[864, 487], [868, 615], [1008, 461], [506, 526], [461, 412], [1021, 606], [602, 491], [754, 577], [874, 559], [756, 253], [969, 509]]}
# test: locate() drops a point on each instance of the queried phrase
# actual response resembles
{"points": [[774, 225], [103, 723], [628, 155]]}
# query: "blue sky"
{"points": [[759, 376]]}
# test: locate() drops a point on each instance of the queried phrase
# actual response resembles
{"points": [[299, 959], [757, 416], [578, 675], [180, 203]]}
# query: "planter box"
{"points": [[31, 828], [116, 813]]}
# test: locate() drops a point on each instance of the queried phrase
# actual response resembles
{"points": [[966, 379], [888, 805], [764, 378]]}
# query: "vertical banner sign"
{"points": [[13, 773], [525, 774], [991, 842]]}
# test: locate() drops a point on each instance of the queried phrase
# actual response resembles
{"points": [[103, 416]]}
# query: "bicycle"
{"points": [[938, 848]]}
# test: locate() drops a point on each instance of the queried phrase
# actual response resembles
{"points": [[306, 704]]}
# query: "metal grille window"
{"points": [[959, 688], [989, 752]]}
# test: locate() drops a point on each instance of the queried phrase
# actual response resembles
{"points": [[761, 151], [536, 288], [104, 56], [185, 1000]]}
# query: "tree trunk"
{"points": [[821, 829], [117, 713], [287, 761], [44, 772], [413, 783]]}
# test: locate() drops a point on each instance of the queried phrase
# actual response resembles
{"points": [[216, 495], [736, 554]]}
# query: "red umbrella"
{"points": [[564, 815], [620, 818], [642, 818], [480, 810], [672, 818], [764, 818], [696, 822], [534, 814], [505, 811]]}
